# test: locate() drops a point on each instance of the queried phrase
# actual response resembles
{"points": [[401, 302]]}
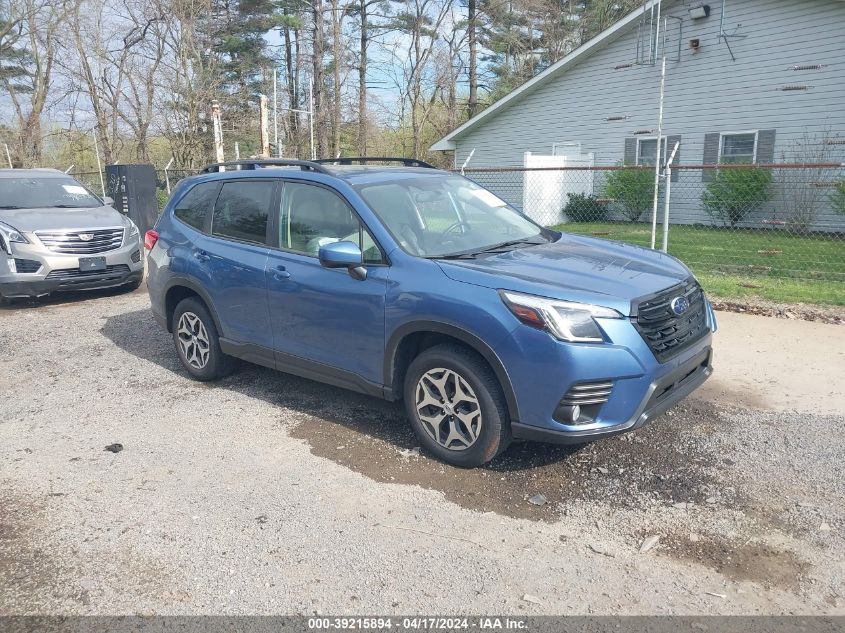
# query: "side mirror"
{"points": [[343, 255], [108, 201]]}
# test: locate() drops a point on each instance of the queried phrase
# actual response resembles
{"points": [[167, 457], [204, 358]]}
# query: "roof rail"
{"points": [[361, 160], [258, 163]]}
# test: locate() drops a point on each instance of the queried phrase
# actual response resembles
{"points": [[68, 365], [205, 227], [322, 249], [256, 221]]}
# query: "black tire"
{"points": [[495, 431], [217, 364]]}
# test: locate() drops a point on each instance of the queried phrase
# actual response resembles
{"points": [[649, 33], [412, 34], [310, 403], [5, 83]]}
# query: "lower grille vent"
{"points": [[587, 393], [27, 265]]}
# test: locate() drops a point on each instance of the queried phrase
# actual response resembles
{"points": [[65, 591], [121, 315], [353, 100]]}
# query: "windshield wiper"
{"points": [[68, 206], [9, 206], [506, 246], [495, 248], [455, 256]]}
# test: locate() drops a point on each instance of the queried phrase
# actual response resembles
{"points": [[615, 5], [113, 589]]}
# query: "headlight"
{"points": [[565, 320], [9, 234], [131, 231]]}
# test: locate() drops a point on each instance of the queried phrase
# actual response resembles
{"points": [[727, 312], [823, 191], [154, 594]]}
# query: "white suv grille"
{"points": [[81, 242]]}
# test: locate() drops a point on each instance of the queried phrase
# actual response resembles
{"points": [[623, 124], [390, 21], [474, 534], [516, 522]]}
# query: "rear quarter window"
{"points": [[195, 205], [242, 209]]}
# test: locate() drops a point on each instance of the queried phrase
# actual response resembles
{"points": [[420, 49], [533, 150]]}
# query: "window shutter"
{"points": [[670, 145], [630, 151], [711, 155], [766, 147]]}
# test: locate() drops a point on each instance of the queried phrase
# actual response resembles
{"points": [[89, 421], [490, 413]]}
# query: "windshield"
{"points": [[39, 193], [449, 216]]}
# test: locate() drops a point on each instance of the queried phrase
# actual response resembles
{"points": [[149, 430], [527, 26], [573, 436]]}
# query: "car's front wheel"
{"points": [[456, 406], [197, 341]]}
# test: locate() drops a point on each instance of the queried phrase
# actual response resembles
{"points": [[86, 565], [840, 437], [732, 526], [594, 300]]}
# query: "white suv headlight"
{"points": [[131, 230], [565, 320], [9, 234]]}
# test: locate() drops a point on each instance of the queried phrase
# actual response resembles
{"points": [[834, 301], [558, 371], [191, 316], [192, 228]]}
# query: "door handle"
{"points": [[201, 255], [280, 273]]}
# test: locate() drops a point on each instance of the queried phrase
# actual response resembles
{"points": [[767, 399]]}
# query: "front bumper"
{"points": [[59, 272], [542, 371], [662, 395]]}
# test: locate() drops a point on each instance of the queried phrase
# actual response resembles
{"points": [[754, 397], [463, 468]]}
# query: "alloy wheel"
{"points": [[193, 340], [448, 409]]}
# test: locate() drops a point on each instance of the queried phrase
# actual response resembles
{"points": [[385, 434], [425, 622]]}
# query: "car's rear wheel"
{"points": [[456, 406], [198, 343]]}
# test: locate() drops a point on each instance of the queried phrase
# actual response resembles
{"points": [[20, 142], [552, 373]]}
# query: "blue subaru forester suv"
{"points": [[414, 284]]}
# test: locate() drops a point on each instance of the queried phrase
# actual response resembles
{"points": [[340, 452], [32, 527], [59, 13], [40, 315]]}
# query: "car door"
{"points": [[324, 321], [235, 259]]}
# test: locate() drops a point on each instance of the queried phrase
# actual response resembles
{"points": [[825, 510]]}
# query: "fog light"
{"points": [[568, 414]]}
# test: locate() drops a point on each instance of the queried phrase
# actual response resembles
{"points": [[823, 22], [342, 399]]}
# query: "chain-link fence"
{"points": [[776, 231], [165, 182]]}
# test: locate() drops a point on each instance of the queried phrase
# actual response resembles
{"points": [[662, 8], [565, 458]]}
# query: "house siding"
{"points": [[706, 92]]}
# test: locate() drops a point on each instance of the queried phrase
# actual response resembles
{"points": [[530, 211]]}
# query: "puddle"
{"points": [[660, 462]]}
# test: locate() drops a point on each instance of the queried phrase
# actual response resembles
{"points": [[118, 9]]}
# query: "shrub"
{"points": [[632, 190], [733, 193], [837, 197], [161, 199], [584, 208]]}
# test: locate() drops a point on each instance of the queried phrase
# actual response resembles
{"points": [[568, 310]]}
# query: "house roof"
{"points": [[556, 69]]}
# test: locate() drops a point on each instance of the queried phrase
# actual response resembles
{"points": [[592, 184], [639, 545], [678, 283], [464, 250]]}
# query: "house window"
{"points": [[568, 149], [738, 148], [647, 151]]}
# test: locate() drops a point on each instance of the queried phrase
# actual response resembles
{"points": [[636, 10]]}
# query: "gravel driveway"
{"points": [[266, 493]]}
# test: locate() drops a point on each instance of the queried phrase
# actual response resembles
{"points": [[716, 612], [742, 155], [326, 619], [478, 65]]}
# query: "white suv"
{"points": [[57, 235]]}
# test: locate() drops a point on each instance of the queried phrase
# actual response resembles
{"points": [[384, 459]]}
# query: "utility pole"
{"points": [[218, 131], [264, 135], [658, 155], [276, 112], [311, 117], [99, 164]]}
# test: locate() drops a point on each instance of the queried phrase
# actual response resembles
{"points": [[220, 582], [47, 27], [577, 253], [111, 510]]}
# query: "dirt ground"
{"points": [[266, 493]]}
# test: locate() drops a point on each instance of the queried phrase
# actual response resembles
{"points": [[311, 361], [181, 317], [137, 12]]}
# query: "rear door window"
{"points": [[241, 210], [194, 206]]}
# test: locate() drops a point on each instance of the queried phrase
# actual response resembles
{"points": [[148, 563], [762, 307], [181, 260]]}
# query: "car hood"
{"points": [[31, 220], [575, 268]]}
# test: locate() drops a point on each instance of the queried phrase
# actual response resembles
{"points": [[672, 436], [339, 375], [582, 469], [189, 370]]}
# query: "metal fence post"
{"points": [[665, 247]]}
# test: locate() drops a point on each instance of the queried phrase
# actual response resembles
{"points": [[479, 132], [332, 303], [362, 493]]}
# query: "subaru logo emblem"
{"points": [[86, 237], [679, 305]]}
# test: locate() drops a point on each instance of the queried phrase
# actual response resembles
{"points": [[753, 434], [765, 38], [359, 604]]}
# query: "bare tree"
{"points": [[30, 30], [318, 75], [339, 12], [420, 22], [187, 82], [146, 39], [98, 69], [472, 39]]}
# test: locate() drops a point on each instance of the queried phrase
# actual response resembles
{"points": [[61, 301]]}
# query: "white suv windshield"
{"points": [[39, 193], [448, 216]]}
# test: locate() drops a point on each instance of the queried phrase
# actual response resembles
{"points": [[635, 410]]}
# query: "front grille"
{"points": [[27, 265], [665, 332], [587, 393], [81, 242], [74, 276]]}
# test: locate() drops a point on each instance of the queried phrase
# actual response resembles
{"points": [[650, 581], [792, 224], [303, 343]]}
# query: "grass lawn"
{"points": [[735, 263]]}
